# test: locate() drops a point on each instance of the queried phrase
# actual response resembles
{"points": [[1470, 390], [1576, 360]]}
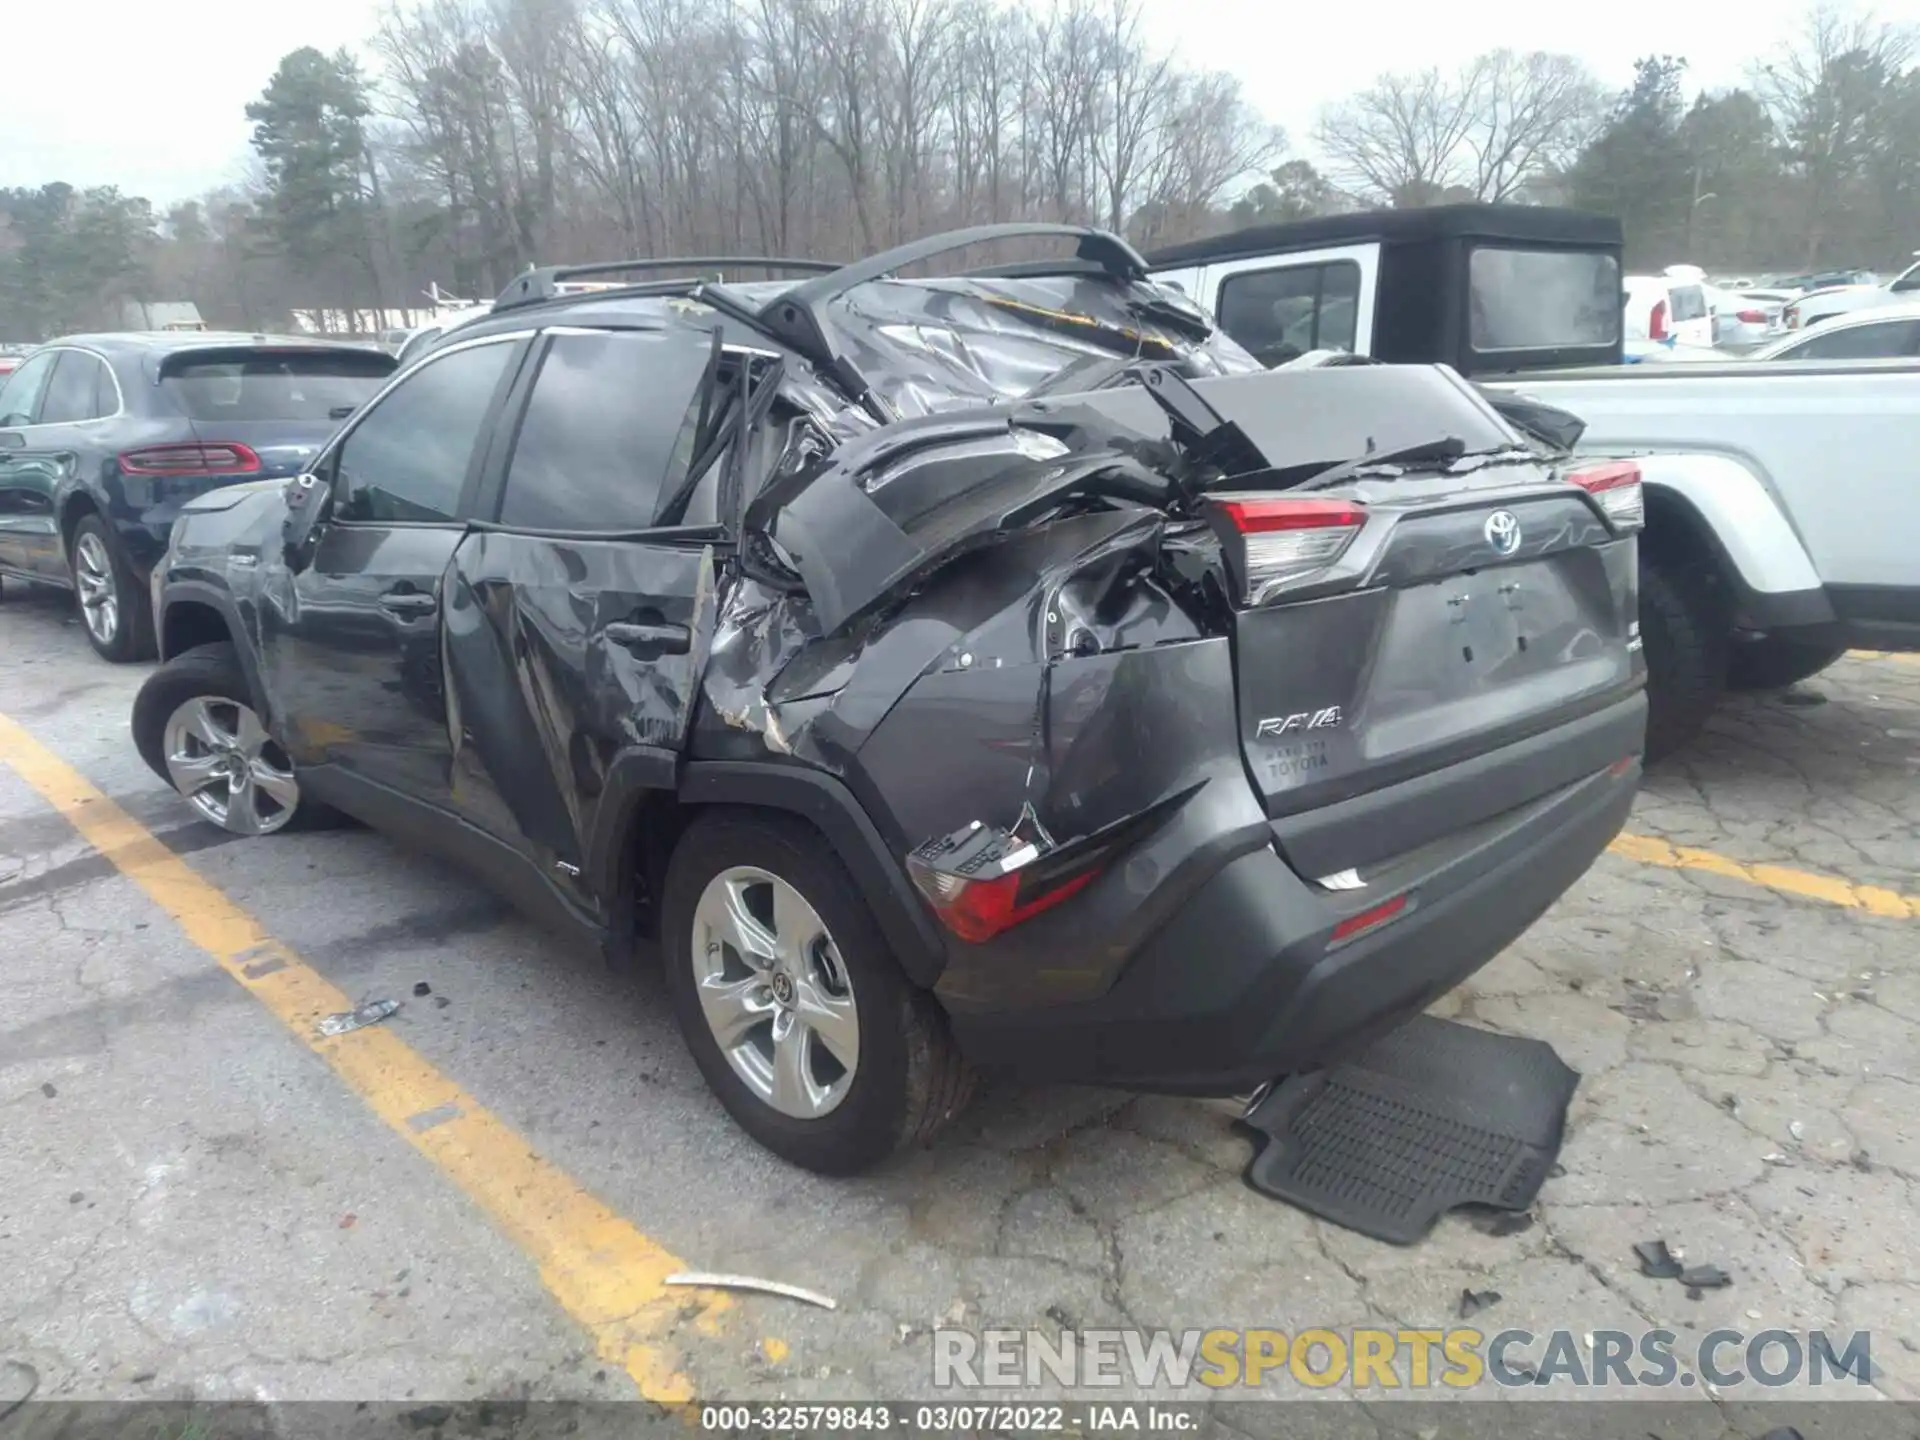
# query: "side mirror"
{"points": [[7, 422], [309, 498]]}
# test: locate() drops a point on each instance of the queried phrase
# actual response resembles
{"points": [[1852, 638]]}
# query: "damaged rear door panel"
{"points": [[572, 671], [577, 628]]}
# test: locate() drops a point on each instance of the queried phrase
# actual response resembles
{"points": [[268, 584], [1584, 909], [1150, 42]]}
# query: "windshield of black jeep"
{"points": [[1542, 299]]}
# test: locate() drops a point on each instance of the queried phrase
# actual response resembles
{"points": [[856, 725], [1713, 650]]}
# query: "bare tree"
{"points": [[1482, 134]]}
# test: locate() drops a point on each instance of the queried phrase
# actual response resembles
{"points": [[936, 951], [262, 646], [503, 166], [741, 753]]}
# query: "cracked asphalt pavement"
{"points": [[195, 1204]]}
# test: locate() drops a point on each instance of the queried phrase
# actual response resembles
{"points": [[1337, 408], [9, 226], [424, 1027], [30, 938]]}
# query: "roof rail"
{"points": [[544, 283], [795, 317]]}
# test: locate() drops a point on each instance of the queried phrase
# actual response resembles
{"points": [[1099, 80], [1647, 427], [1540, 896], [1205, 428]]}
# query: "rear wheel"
{"points": [[1686, 635], [1778, 661], [114, 605], [796, 1012]]}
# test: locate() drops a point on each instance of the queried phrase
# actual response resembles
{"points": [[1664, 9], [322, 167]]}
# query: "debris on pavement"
{"points": [[711, 1281], [421, 989], [1472, 1302], [1700, 1278], [371, 1013], [1656, 1261]]}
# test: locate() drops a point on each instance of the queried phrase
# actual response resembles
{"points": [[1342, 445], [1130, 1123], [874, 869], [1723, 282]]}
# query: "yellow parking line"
{"points": [[596, 1264], [1901, 655], [1870, 898]]}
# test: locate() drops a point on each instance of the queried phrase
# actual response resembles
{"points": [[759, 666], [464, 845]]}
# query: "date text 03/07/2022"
{"points": [[944, 1418]]}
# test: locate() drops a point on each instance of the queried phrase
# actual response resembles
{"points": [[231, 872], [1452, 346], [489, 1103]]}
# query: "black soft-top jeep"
{"points": [[999, 668]]}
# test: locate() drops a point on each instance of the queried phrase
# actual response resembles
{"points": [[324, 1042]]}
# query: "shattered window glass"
{"points": [[1543, 299]]}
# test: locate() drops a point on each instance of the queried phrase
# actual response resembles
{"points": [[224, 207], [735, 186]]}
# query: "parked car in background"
{"points": [[1269, 705], [1667, 310], [1483, 288], [1781, 509], [1742, 322], [1891, 332], [104, 437], [1815, 306]]}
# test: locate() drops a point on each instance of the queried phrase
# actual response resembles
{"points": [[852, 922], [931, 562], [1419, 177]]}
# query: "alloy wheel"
{"points": [[775, 992], [93, 578], [220, 757]]}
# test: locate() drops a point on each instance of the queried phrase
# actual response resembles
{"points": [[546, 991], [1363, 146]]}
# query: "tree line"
{"points": [[488, 135]]}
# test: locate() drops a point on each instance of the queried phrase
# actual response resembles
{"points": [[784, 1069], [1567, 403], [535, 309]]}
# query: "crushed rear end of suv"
{"points": [[1009, 671]]}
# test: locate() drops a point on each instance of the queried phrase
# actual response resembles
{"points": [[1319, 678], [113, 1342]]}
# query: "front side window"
{"points": [[1547, 299], [408, 459], [73, 393], [1890, 339], [20, 396], [608, 430], [1279, 315], [1909, 282]]}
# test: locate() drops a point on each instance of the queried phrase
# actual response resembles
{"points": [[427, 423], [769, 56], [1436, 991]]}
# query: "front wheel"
{"points": [[1778, 661], [796, 1012], [196, 727]]}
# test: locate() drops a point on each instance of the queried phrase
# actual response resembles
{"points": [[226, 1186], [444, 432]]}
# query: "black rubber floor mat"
{"points": [[1433, 1116]]}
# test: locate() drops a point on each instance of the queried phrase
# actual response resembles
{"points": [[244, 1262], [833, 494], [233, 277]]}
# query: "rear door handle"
{"points": [[408, 602], [660, 639]]}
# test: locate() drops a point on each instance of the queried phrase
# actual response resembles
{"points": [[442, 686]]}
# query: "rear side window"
{"points": [[245, 385], [73, 393], [1281, 314], [1890, 339], [407, 460], [1548, 300], [607, 431]]}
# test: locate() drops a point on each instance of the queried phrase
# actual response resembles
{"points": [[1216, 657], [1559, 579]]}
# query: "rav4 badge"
{"points": [[1274, 725]]}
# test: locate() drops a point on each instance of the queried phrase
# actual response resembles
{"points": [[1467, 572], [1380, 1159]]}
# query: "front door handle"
{"points": [[659, 639], [408, 602]]}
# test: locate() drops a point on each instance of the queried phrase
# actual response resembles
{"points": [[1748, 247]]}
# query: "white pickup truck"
{"points": [[1783, 516], [1783, 499]]}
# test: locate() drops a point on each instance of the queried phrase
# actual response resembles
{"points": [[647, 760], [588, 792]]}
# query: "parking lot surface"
{"points": [[483, 1194]]}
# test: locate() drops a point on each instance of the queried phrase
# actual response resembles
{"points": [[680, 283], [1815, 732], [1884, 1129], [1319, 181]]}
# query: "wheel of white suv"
{"points": [[114, 606], [195, 724], [798, 1016]]}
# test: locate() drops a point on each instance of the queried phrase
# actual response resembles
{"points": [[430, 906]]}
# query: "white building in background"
{"points": [[160, 315]]}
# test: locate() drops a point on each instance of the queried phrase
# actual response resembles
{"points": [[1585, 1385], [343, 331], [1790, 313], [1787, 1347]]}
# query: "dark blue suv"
{"points": [[104, 437]]}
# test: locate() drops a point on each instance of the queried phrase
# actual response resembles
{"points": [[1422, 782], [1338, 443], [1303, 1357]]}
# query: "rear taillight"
{"points": [[211, 458], [1276, 541], [982, 880], [1616, 485], [1753, 317], [1792, 317], [1657, 321], [1368, 919]]}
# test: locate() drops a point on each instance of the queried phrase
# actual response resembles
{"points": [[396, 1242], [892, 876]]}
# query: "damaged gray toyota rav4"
{"points": [[993, 670]]}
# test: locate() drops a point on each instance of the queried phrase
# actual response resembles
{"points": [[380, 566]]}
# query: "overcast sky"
{"points": [[148, 94]]}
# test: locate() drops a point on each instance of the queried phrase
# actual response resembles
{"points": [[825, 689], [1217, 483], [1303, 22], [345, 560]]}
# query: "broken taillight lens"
{"points": [[1616, 485], [1276, 541], [978, 883], [212, 458], [1657, 321]]}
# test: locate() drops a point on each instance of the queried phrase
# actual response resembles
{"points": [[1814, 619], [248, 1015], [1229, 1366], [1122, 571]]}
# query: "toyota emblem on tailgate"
{"points": [[1503, 532]]}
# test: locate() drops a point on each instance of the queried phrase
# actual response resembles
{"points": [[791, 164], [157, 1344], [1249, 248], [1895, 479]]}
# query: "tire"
{"points": [[1778, 661], [211, 673], [908, 1078], [1686, 638], [115, 609]]}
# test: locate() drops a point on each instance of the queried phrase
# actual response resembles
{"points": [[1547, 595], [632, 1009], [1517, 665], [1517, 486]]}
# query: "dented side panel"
{"points": [[564, 657]]}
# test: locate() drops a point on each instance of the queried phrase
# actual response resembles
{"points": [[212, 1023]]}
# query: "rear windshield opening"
{"points": [[1542, 299], [268, 386]]}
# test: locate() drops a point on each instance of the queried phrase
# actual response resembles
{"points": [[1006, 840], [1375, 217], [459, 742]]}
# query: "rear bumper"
{"points": [[1245, 982]]}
